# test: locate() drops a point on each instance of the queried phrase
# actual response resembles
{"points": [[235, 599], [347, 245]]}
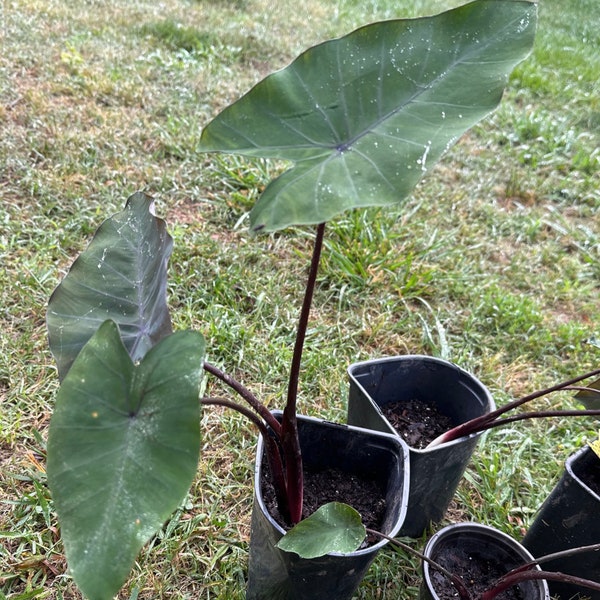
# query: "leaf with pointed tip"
{"points": [[123, 450], [122, 276], [334, 527], [590, 398], [366, 115]]}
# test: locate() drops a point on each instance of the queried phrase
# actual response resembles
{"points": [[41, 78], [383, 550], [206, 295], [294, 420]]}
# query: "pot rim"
{"points": [[402, 445], [429, 359]]}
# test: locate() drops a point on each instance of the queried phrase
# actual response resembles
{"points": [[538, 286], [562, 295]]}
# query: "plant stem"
{"points": [[289, 424], [292, 392], [490, 419], [527, 571], [555, 556], [287, 432], [246, 394], [274, 458], [510, 580], [211, 401], [582, 388], [272, 447], [542, 414]]}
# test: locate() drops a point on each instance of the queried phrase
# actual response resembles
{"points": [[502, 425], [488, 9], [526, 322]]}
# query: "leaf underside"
{"points": [[122, 276], [363, 117], [590, 398]]}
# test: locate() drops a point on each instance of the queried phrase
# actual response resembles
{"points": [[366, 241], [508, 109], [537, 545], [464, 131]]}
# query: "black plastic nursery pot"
{"points": [[436, 473], [277, 575], [479, 548], [569, 518]]}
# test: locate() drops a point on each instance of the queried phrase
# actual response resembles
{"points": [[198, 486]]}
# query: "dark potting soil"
{"points": [[477, 572], [417, 422], [333, 485]]}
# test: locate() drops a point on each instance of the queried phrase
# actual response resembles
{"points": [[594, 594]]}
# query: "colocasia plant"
{"points": [[362, 118]]}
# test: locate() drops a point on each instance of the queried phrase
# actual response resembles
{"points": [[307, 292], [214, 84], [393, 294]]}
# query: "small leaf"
{"points": [[590, 398], [122, 276], [335, 527], [123, 450], [366, 115]]}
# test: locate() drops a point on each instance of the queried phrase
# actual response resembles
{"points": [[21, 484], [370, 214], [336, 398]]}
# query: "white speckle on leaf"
{"points": [[423, 160]]}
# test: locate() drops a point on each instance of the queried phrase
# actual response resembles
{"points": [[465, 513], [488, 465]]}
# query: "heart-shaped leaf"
{"points": [[121, 276], [334, 527], [123, 450], [365, 116]]}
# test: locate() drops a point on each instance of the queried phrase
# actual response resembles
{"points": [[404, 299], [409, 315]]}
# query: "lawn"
{"points": [[493, 263]]}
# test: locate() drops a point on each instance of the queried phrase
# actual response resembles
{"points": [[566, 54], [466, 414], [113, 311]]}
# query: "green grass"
{"points": [[493, 263]]}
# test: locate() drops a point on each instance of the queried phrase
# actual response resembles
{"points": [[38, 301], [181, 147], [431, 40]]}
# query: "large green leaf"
{"points": [[122, 451], [365, 116], [121, 276], [334, 527]]}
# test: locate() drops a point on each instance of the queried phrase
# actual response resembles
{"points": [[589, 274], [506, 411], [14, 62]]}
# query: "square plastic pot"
{"points": [[436, 473], [569, 518], [277, 575], [479, 543]]}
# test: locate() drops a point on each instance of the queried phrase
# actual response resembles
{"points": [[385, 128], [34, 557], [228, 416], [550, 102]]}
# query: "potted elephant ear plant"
{"points": [[439, 392], [417, 397], [362, 117]]}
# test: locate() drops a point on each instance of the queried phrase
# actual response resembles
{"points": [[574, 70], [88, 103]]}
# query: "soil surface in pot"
{"points": [[591, 477], [417, 422], [333, 485], [477, 572]]}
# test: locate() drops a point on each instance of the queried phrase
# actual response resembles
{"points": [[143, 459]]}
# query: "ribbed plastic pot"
{"points": [[436, 473], [277, 575], [569, 518], [480, 543]]}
